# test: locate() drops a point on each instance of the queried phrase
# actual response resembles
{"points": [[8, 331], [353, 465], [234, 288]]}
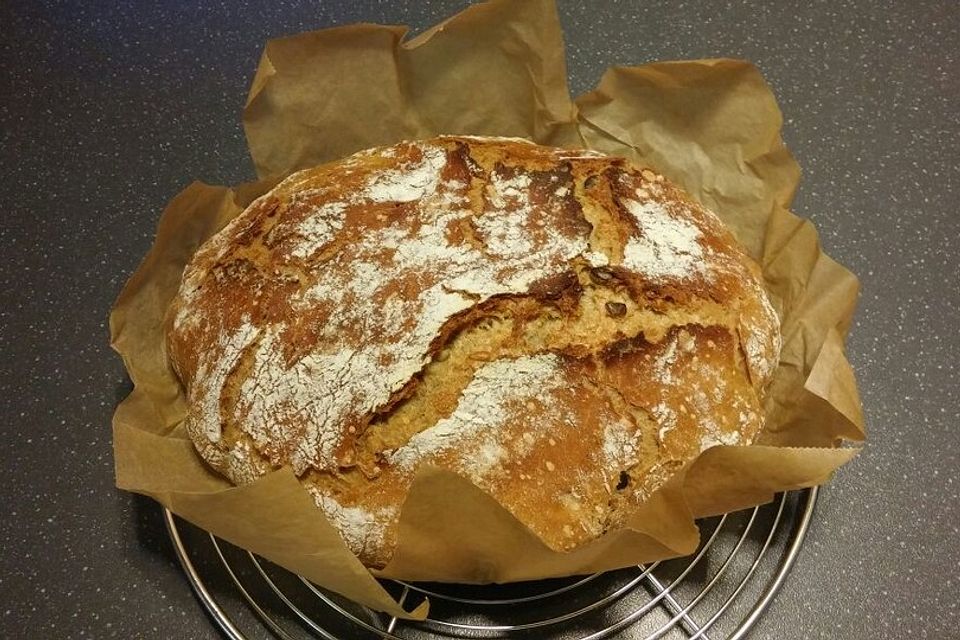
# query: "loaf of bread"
{"points": [[563, 328]]}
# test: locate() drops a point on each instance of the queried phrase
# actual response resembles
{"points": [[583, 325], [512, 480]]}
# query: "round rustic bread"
{"points": [[561, 327]]}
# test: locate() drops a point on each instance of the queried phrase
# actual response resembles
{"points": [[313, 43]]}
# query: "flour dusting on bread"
{"points": [[480, 415]]}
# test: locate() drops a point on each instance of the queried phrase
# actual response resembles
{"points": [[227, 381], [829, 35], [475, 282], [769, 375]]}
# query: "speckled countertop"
{"points": [[105, 113]]}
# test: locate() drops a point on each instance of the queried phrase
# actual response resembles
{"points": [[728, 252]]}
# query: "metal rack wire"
{"points": [[718, 592]]}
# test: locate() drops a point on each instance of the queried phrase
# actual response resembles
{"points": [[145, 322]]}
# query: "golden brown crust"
{"points": [[561, 327]]}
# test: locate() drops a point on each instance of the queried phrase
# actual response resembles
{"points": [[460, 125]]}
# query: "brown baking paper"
{"points": [[498, 68]]}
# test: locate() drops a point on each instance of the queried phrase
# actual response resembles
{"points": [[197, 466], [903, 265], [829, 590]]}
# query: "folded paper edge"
{"points": [[555, 125], [828, 459], [511, 533], [174, 499]]}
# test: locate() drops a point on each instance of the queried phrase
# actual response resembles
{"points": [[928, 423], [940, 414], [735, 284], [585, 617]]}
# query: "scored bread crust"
{"points": [[561, 327]]}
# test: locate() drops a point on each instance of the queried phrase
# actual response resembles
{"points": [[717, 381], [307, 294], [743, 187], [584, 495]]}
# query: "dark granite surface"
{"points": [[107, 111]]}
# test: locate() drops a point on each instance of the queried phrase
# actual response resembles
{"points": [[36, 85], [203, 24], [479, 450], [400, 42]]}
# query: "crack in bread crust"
{"points": [[550, 324]]}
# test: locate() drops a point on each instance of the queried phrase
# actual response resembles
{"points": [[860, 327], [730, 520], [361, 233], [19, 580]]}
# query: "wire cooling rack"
{"points": [[718, 592]]}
